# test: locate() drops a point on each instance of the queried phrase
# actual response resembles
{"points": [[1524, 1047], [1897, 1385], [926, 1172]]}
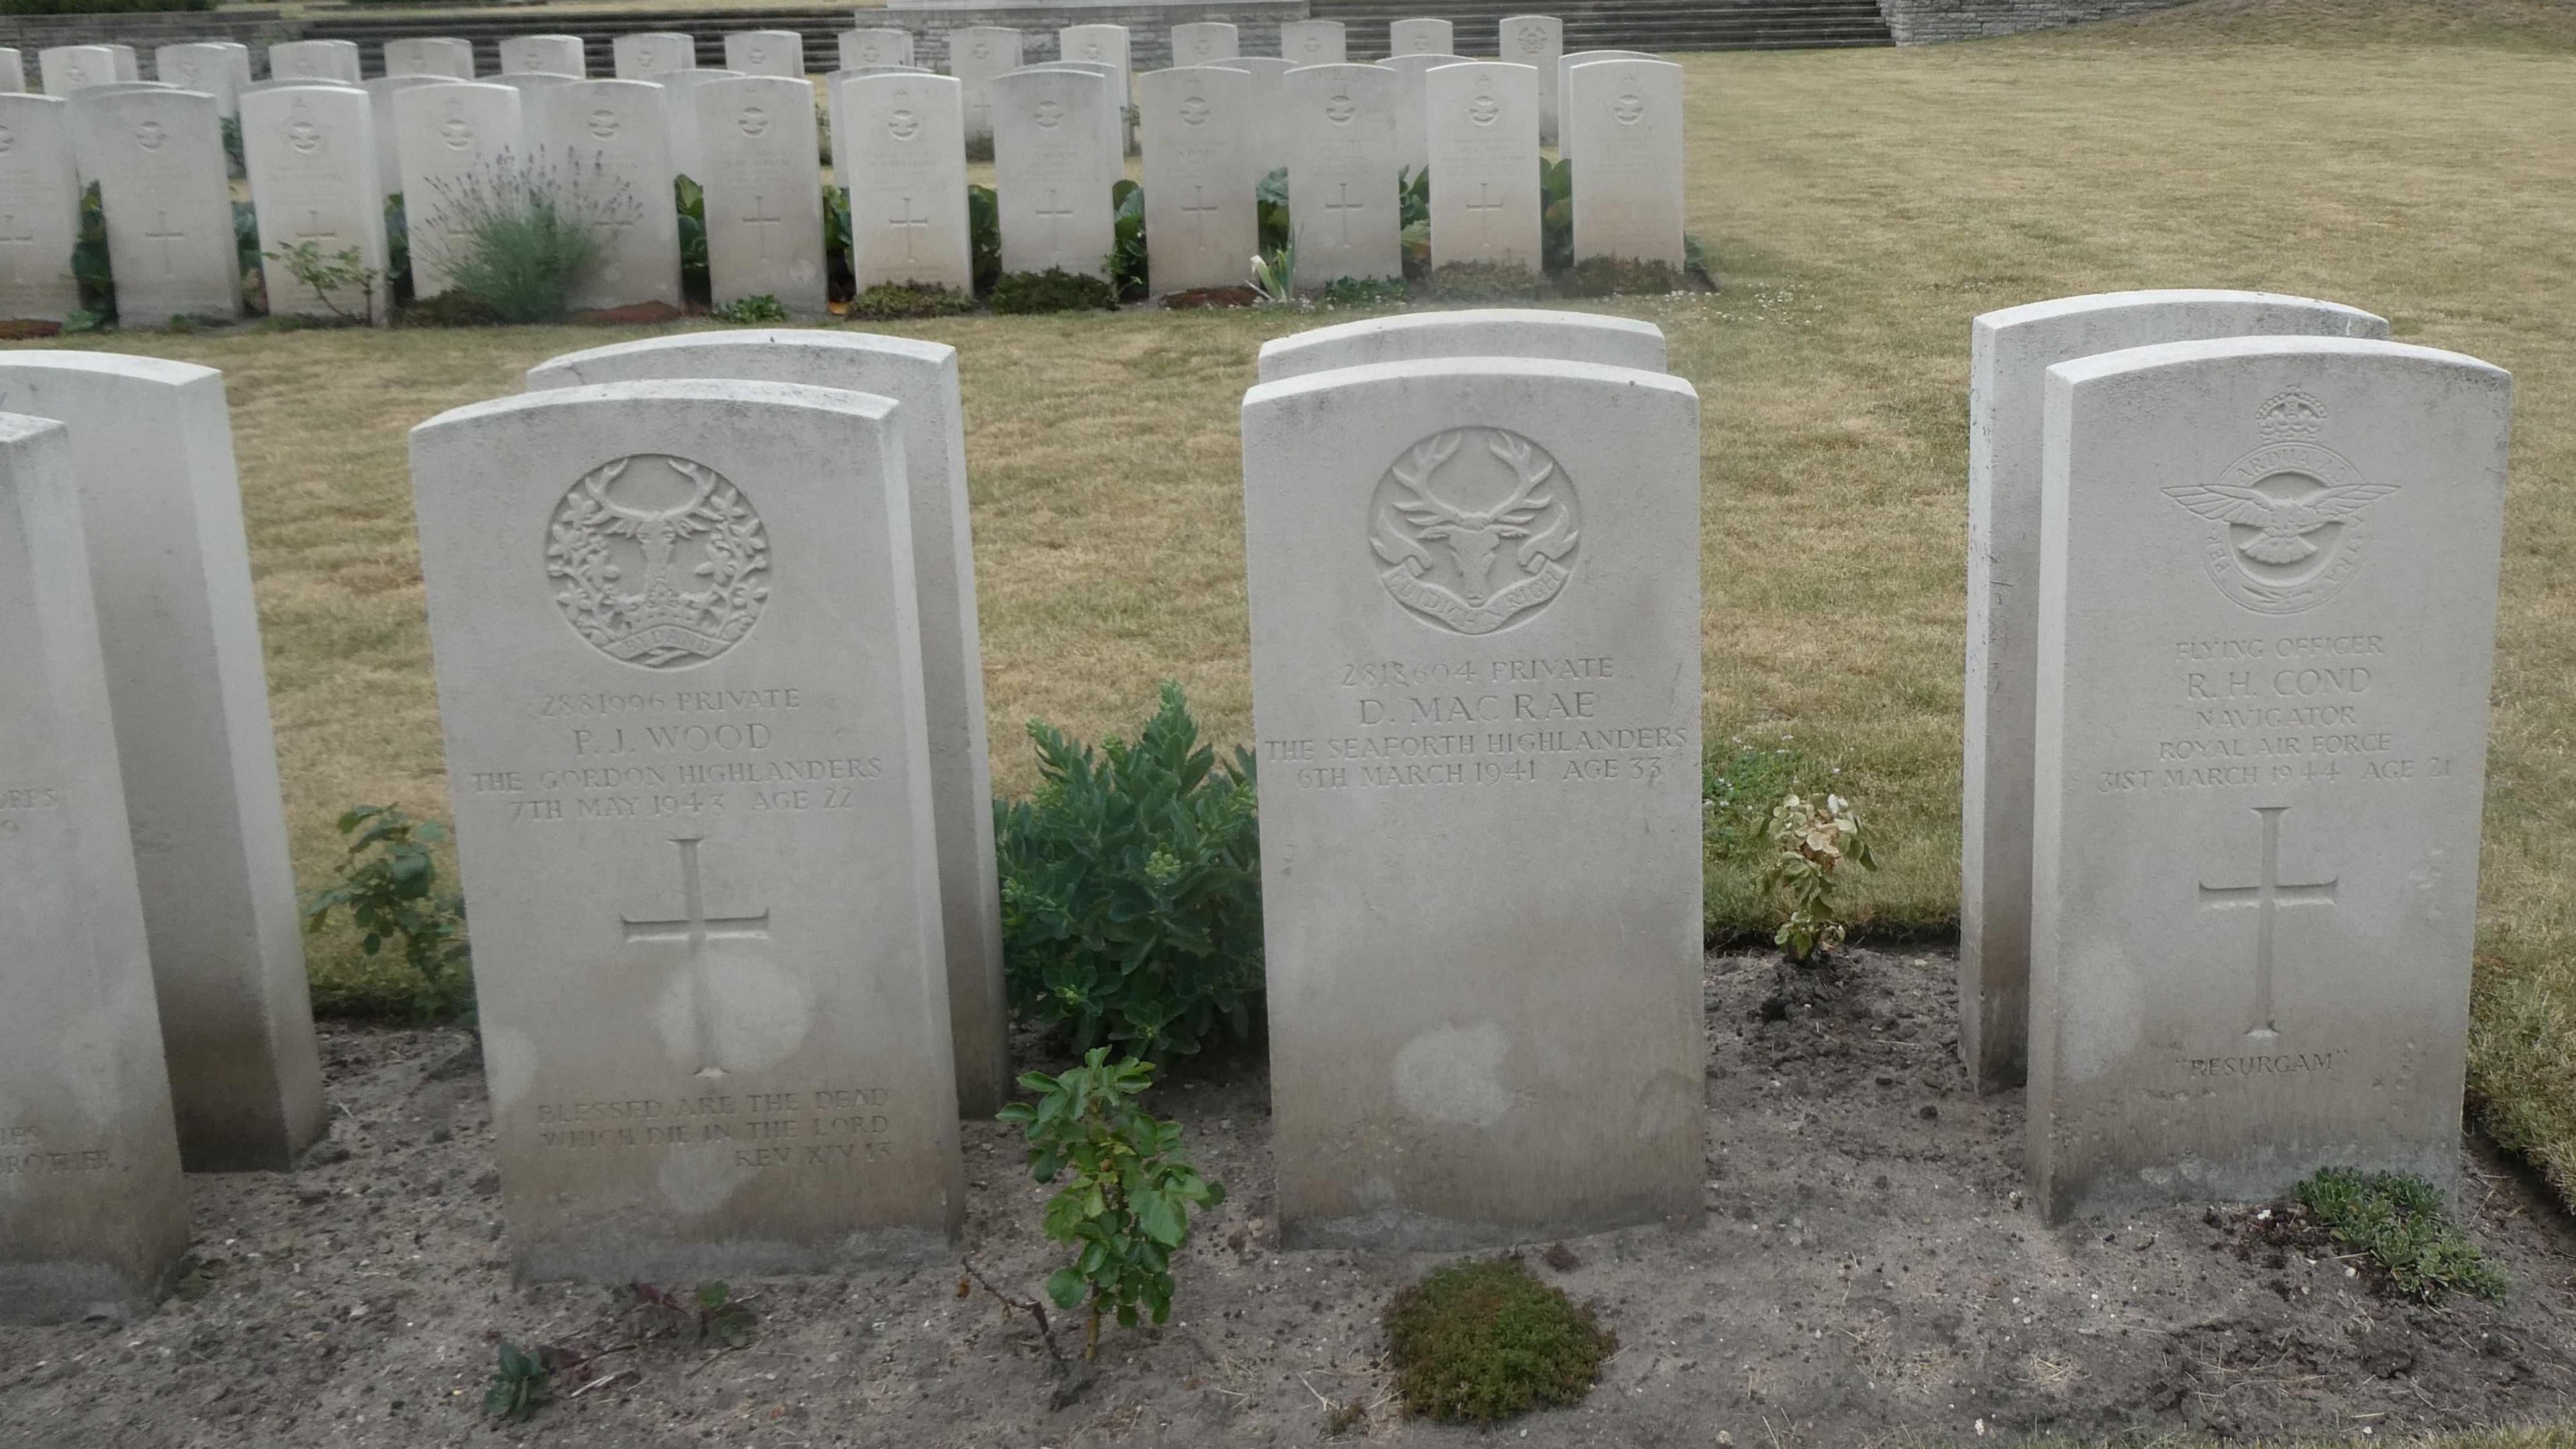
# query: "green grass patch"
{"points": [[1476, 1342], [2403, 1226]]}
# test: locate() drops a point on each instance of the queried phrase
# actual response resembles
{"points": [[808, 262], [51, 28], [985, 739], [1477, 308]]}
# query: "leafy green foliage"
{"points": [[522, 1384], [1274, 276], [1127, 1207], [2404, 1227], [692, 203], [1270, 203], [517, 235], [1127, 250], [1476, 1342], [1413, 218], [984, 235], [1053, 290], [389, 885], [246, 240], [1486, 282], [751, 311], [234, 165], [328, 278], [839, 281], [904, 301], [708, 1314], [1738, 790], [1555, 214], [90, 267], [1620, 277], [1131, 889], [1362, 292], [1811, 839], [397, 250]]}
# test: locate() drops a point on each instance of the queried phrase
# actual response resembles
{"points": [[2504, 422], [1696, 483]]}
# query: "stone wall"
{"points": [[1922, 22], [1149, 25], [146, 32]]}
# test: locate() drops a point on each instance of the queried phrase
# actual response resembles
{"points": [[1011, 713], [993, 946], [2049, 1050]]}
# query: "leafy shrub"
{"points": [[1274, 276], [522, 1384], [246, 241], [692, 204], [1413, 218], [1486, 282], [839, 281], [234, 165], [1127, 1208], [1128, 262], [517, 235], [751, 311], [397, 250], [1555, 214], [1811, 839], [905, 301], [1270, 204], [1131, 889], [328, 278], [90, 267], [984, 235], [389, 885], [1738, 790], [2401, 1223], [1476, 1342], [1053, 290]]}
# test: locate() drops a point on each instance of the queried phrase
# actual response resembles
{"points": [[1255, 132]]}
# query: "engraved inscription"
{"points": [[1476, 527], [2286, 1064], [2273, 711], [17, 802], [825, 1127], [24, 1154], [1473, 721], [660, 561]]}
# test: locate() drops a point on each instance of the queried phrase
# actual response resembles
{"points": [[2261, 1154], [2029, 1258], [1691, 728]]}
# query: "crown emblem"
{"points": [[2291, 414]]}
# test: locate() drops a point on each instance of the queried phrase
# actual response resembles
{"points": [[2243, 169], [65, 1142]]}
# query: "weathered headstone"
{"points": [[313, 60], [152, 450], [1421, 37], [380, 110], [1531, 334], [1340, 121], [311, 155], [1475, 620], [450, 139], [1200, 41], [1052, 171], [1483, 123], [1537, 41], [13, 71], [688, 158], [902, 154], [1265, 137], [39, 210], [765, 52], [129, 65], [1113, 115], [1566, 61], [1104, 45], [1313, 42], [764, 191], [2009, 356], [2267, 601], [874, 46], [158, 159], [213, 69], [94, 1217], [921, 377], [544, 55], [652, 54], [715, 1018], [430, 55], [976, 55], [1628, 201], [1412, 138], [1198, 123], [612, 144], [67, 68]]}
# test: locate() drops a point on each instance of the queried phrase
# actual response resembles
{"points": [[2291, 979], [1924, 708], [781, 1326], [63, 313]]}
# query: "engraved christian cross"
{"points": [[2267, 895], [697, 928]]}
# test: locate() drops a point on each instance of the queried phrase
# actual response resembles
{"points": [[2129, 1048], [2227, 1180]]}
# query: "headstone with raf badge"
{"points": [[1340, 125], [158, 159], [1198, 122], [1630, 159], [1482, 120], [649, 55], [901, 151], [764, 191], [311, 155], [40, 204]]}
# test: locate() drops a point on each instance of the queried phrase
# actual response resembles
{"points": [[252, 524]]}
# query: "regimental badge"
{"points": [[2286, 525], [1476, 528], [660, 562]]}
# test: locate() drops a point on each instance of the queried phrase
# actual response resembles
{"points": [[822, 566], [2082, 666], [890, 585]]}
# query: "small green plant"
{"points": [[1476, 1342], [708, 1314], [1739, 787], [1127, 1208], [750, 311], [838, 280], [233, 164], [2401, 1223], [246, 248], [517, 234], [90, 267], [1270, 206], [1131, 889], [691, 201], [1486, 282], [389, 885], [1053, 290], [984, 235], [1128, 250], [1413, 220], [1811, 840], [397, 251], [329, 278], [1555, 214], [522, 1384], [1274, 276], [907, 301]]}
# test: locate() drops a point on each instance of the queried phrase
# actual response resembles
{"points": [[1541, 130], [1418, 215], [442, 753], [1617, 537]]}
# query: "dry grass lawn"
{"points": [[2416, 157]]}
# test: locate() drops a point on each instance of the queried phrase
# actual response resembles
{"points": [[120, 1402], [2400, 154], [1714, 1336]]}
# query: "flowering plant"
{"points": [[1812, 839]]}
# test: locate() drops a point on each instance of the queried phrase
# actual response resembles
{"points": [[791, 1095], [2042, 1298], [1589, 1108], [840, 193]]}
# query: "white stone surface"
{"points": [[1053, 170], [688, 158], [430, 55], [313, 60], [380, 109], [152, 450], [96, 1216], [1412, 102], [921, 377], [1198, 125], [875, 45], [1628, 166], [158, 159], [765, 52], [612, 141], [2267, 612], [13, 71], [67, 68], [1537, 41], [901, 152], [445, 137], [1266, 134], [1200, 41], [544, 55], [529, 83], [311, 153], [39, 210], [649, 55], [1313, 42], [1482, 119], [764, 191], [1341, 173], [1421, 37], [129, 65], [1474, 589], [1532, 334], [1113, 116], [1566, 61], [1104, 45], [707, 926], [976, 55], [213, 69], [2010, 353]]}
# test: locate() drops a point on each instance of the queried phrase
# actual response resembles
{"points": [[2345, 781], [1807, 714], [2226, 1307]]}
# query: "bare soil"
{"points": [[1866, 1270]]}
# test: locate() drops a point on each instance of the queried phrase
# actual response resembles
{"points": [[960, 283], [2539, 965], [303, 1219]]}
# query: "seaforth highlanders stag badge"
{"points": [[2287, 522], [660, 562], [1476, 527]]}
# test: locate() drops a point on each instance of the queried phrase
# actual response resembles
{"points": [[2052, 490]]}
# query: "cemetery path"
{"points": [[1865, 1268]]}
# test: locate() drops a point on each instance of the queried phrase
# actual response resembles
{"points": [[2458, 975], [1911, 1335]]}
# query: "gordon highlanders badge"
{"points": [[658, 561], [2286, 525], [1476, 528]]}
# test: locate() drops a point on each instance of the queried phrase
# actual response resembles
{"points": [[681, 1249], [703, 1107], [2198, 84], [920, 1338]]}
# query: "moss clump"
{"points": [[1053, 290], [2402, 1223], [1476, 1342], [905, 301]]}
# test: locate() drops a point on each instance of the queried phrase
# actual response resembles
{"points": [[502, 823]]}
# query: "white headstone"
{"points": [[13, 71], [96, 1215], [67, 68], [652, 54], [765, 52], [1537, 41], [2010, 354], [903, 156], [874, 46], [1483, 125], [1266, 137], [152, 450], [380, 93], [715, 1015], [1201, 41], [430, 55], [1412, 140], [1052, 170], [613, 144], [1421, 37], [1113, 115], [1566, 61], [1312, 42], [544, 55], [2267, 600], [1104, 45], [921, 377], [311, 153], [1198, 125], [213, 69], [687, 157], [528, 83], [313, 60], [129, 65], [447, 137], [1475, 668], [39, 210], [1628, 165], [1529, 333], [764, 191], [976, 55], [1341, 173], [158, 159]]}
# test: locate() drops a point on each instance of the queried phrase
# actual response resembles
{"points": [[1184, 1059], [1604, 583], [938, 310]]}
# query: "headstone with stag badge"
{"points": [[902, 154], [1313, 42], [311, 154], [430, 55], [2267, 600], [450, 139], [764, 191], [158, 159], [1482, 123], [1052, 171], [1198, 187], [976, 55], [1629, 204], [1537, 41], [1198, 42], [40, 195], [1421, 37], [679, 671], [870, 46], [1475, 619], [544, 55], [1340, 126], [611, 145], [1473, 332], [649, 55]]}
